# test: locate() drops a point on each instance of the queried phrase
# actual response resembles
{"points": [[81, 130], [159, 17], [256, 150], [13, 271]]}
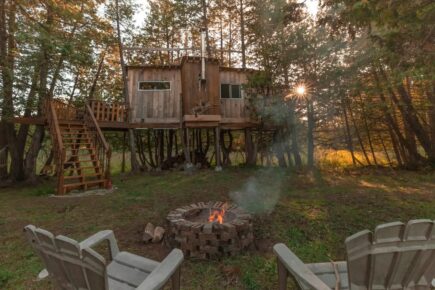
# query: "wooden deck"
{"points": [[224, 123], [114, 117]]}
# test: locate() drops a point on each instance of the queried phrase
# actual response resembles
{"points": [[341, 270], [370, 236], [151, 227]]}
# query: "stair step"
{"points": [[64, 125], [79, 161], [73, 129], [80, 143], [85, 183], [83, 176], [81, 133], [76, 138], [84, 167], [78, 155]]}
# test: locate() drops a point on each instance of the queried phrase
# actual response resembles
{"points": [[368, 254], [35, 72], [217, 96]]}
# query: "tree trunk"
{"points": [[412, 150], [366, 126], [242, 34], [310, 134], [97, 75], [251, 155], [358, 135], [395, 147], [71, 95], [278, 148], [7, 63], [32, 153], [3, 152], [432, 117], [294, 135], [124, 141], [133, 158], [385, 149], [348, 134], [409, 114]]}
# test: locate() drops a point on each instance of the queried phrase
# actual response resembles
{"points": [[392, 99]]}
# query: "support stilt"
{"points": [[188, 166], [217, 149]]}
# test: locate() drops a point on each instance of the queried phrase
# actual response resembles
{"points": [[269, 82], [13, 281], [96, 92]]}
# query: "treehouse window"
{"points": [[154, 86], [229, 91]]}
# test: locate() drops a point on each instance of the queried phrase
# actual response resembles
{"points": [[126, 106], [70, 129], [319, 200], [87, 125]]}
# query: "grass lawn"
{"points": [[311, 214]]}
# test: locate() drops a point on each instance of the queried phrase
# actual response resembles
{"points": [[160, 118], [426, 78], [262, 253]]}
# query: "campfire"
{"points": [[218, 215], [210, 230]]}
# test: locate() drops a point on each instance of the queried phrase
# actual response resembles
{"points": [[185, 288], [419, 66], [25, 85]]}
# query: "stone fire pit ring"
{"points": [[190, 230]]}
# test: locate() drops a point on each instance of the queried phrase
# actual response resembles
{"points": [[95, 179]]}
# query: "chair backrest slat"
{"points": [[396, 256], [69, 266], [69, 251], [54, 263], [95, 269]]}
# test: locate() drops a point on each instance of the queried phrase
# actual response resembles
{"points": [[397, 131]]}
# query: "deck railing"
{"points": [[102, 148], [109, 112], [64, 110], [52, 111]]}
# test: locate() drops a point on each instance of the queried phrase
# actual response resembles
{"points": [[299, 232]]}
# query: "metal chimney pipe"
{"points": [[203, 52]]}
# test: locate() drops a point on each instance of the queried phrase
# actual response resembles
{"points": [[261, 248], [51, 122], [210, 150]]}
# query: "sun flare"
{"points": [[300, 90]]}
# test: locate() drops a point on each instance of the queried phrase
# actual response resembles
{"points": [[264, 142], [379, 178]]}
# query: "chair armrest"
{"points": [[298, 269], [160, 275], [99, 237]]}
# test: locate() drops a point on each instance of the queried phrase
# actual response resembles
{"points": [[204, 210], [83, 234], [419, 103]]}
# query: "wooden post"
{"points": [[161, 145], [250, 153], [185, 141], [282, 276], [176, 279], [123, 152], [217, 149]]}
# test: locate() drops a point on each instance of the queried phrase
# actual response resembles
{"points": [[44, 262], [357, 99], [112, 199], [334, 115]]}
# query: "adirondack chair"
{"points": [[73, 265], [395, 256]]}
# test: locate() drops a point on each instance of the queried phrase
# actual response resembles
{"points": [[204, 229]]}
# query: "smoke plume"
{"points": [[261, 192]]}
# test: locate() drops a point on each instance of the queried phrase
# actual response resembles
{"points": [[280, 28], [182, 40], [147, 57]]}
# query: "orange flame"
{"points": [[217, 215]]}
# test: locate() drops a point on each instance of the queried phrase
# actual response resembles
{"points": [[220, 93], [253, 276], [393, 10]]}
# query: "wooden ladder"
{"points": [[81, 151]]}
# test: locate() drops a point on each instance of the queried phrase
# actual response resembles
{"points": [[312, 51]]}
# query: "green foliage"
{"points": [[4, 276], [250, 282]]}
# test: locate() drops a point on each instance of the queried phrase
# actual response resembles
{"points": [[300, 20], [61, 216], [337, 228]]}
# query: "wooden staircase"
{"points": [[81, 151]]}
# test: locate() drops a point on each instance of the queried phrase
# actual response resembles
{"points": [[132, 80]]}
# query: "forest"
{"points": [[367, 67]]}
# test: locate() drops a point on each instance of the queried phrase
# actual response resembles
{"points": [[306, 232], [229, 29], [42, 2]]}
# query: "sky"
{"points": [[139, 17]]}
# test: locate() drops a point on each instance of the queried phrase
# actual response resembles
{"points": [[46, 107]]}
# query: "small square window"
{"points": [[229, 91], [154, 86], [225, 91], [235, 92]]}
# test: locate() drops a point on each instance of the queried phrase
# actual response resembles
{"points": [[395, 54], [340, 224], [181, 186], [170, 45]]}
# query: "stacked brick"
{"points": [[209, 240]]}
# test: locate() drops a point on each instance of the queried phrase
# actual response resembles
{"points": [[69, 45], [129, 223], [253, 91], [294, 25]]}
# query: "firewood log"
{"points": [[148, 233], [158, 234]]}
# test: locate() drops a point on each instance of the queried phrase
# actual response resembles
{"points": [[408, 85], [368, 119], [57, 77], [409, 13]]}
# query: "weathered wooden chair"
{"points": [[396, 256], [73, 265]]}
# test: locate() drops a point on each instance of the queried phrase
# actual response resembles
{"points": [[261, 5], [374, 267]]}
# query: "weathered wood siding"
{"points": [[233, 109], [155, 106], [194, 92]]}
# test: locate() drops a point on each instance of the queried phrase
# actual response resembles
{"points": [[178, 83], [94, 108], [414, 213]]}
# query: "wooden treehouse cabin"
{"points": [[196, 93], [178, 96]]}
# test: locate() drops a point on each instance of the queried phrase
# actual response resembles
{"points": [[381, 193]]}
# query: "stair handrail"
{"points": [[91, 121]]}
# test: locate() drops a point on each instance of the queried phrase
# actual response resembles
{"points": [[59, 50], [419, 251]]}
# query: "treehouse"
{"points": [[189, 96], [195, 94]]}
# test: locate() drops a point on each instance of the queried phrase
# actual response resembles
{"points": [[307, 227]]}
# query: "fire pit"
{"points": [[210, 230]]}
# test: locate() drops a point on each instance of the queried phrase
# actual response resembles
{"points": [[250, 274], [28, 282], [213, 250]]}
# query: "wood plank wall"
{"points": [[233, 108], [168, 107], [155, 106], [194, 93]]}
